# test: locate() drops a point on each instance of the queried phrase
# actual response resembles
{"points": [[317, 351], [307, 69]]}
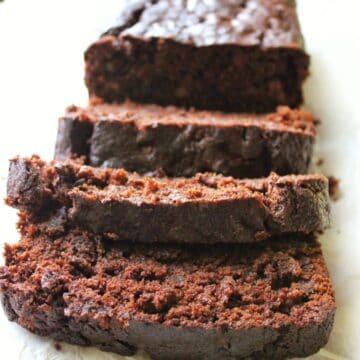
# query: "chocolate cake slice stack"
{"points": [[170, 220]]}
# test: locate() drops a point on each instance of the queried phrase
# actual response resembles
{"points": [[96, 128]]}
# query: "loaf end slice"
{"points": [[201, 54]]}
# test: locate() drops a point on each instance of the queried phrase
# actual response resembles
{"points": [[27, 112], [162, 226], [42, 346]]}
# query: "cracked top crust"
{"points": [[263, 23]]}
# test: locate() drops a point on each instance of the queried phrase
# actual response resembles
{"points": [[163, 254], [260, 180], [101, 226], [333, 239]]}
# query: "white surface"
{"points": [[41, 72]]}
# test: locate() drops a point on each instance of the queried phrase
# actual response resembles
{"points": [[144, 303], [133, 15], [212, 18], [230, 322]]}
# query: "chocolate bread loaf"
{"points": [[259, 301], [146, 138], [206, 208], [245, 55]]}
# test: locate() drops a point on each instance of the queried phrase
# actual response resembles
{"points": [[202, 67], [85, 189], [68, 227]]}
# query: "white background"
{"points": [[41, 72]]}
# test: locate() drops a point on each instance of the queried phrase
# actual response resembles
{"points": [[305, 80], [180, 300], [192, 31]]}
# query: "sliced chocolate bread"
{"points": [[245, 55], [146, 138], [259, 301], [206, 208]]}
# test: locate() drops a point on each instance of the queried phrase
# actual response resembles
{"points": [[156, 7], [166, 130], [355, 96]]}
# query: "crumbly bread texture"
{"points": [[206, 208], [225, 55], [258, 301], [179, 142]]}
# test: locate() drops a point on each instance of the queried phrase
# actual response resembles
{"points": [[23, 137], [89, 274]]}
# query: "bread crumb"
{"points": [[334, 188]]}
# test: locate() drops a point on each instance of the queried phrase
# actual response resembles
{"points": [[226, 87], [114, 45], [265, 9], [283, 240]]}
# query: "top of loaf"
{"points": [[262, 23]]}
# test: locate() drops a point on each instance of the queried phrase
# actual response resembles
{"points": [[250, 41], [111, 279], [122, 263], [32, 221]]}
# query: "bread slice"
{"points": [[206, 208], [224, 55], [259, 301], [146, 138]]}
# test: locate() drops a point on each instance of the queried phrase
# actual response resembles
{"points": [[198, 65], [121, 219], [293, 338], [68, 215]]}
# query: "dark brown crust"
{"points": [[182, 143], [270, 301], [208, 56], [207, 208]]}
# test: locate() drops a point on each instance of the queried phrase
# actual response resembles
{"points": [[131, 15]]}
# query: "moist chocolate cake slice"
{"points": [[258, 301], [206, 208], [244, 55], [145, 138]]}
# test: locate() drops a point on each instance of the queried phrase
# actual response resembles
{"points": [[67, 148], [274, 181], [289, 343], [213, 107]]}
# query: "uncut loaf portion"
{"points": [[245, 55], [179, 142], [206, 208], [254, 301]]}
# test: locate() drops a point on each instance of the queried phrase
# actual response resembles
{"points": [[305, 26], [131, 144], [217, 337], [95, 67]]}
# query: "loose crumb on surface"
{"points": [[56, 345], [334, 188]]}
